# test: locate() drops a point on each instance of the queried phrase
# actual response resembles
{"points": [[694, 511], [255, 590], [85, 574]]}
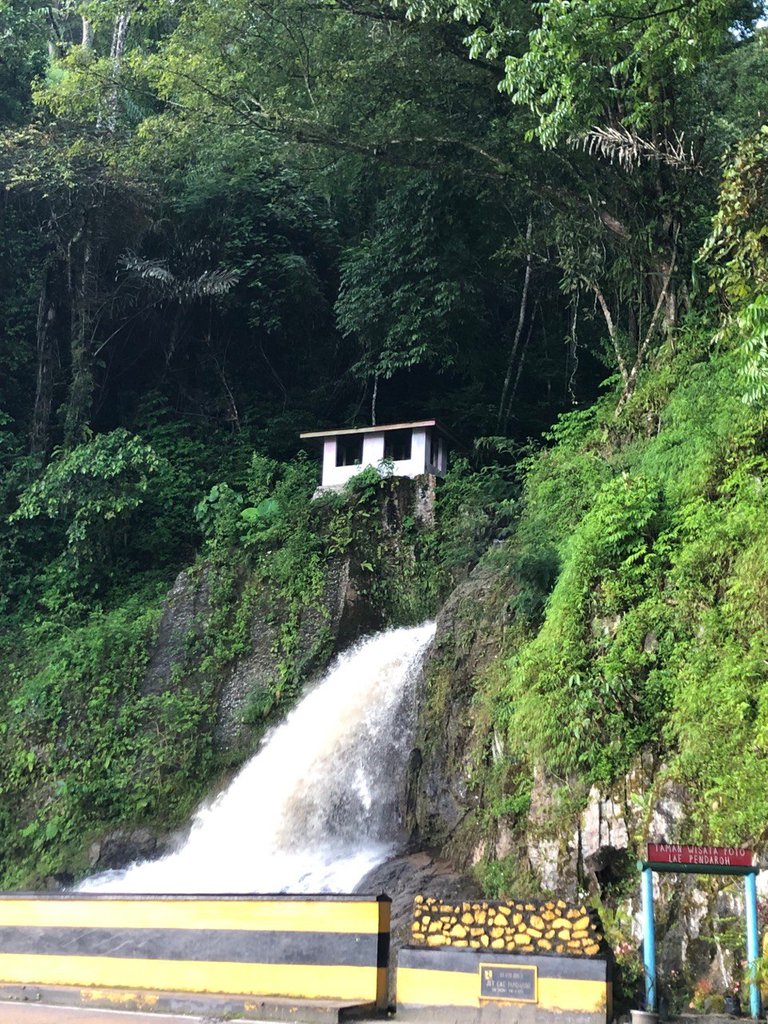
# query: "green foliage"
{"points": [[91, 498], [274, 554], [738, 249], [654, 608], [90, 487], [752, 327], [738, 245], [617, 925], [79, 749], [583, 58], [474, 508], [560, 484], [402, 321], [597, 711], [219, 228], [506, 879], [22, 55]]}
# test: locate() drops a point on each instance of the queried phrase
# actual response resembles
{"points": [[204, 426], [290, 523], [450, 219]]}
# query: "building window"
{"points": [[397, 445], [349, 450]]}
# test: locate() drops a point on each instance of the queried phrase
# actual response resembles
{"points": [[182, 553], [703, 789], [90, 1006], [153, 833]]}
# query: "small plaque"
{"points": [[510, 984]]}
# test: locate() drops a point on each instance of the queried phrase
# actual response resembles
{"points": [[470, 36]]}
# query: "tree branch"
{"points": [[611, 328], [630, 382]]}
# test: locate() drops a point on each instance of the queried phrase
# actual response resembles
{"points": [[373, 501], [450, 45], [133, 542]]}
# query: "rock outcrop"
{"points": [[468, 638], [403, 879], [345, 611], [587, 846], [120, 847]]}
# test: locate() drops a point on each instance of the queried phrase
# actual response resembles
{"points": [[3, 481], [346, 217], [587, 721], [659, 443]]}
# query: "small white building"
{"points": [[413, 449]]}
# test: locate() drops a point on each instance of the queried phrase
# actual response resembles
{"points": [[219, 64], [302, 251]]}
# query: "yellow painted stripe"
{"points": [[255, 915], [574, 994], [418, 987], [307, 982]]}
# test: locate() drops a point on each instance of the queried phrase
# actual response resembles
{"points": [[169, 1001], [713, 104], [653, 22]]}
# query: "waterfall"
{"points": [[318, 805]]}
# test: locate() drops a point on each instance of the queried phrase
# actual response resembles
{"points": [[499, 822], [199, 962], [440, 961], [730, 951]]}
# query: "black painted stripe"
{"points": [[467, 961], [224, 946]]}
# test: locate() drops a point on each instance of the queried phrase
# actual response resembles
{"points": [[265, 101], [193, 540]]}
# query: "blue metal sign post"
{"points": [[753, 945], [649, 941], [706, 861]]}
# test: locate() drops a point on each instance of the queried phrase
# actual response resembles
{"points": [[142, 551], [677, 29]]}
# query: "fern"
{"points": [[752, 325]]}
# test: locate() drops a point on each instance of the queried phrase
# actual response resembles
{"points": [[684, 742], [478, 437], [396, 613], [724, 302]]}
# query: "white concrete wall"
{"points": [[414, 466], [329, 457], [337, 476], [373, 449], [373, 454]]}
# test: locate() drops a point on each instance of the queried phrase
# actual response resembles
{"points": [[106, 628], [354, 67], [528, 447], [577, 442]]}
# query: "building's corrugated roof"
{"points": [[370, 430], [321, 434]]}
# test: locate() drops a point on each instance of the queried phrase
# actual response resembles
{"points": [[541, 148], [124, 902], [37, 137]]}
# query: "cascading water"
{"points": [[318, 805]]}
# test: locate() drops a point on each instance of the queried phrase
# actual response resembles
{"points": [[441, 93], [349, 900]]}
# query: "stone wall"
{"points": [[512, 927]]}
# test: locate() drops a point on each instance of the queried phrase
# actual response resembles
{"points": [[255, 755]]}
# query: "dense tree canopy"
{"points": [[205, 198]]}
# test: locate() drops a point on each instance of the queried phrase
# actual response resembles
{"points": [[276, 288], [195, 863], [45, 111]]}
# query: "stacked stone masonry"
{"points": [[506, 927]]}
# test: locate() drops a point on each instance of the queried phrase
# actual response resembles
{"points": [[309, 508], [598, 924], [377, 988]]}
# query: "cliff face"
{"points": [[445, 796], [343, 613], [362, 586], [595, 683], [600, 680], [579, 844], [241, 644]]}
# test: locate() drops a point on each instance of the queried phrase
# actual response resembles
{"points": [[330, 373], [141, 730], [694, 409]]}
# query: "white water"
{"points": [[318, 805]]}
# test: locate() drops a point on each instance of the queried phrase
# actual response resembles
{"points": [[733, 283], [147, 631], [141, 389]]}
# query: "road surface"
{"points": [[37, 1013]]}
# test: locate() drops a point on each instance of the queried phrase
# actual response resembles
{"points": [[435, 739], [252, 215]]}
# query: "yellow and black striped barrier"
{"points": [[467, 985], [299, 947]]}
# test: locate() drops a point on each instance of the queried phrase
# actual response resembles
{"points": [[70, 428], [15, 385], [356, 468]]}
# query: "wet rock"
{"points": [[345, 612], [410, 875], [121, 847], [468, 637], [184, 619], [60, 881]]}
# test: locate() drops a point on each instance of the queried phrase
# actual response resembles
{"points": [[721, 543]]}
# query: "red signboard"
{"points": [[705, 856]]}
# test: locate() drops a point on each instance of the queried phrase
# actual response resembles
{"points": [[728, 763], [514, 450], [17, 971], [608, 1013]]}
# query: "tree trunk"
{"points": [[119, 36], [612, 333], [87, 37], [503, 414], [117, 50], [520, 364], [41, 413], [82, 296], [572, 359], [662, 305]]}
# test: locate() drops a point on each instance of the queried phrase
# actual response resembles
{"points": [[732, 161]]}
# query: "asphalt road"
{"points": [[36, 1013]]}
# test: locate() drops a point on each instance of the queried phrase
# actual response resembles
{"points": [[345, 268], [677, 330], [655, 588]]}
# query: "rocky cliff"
{"points": [[569, 839]]}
